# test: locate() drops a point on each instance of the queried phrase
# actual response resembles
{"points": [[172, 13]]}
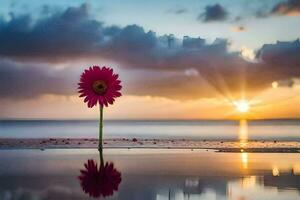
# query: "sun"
{"points": [[242, 106]]}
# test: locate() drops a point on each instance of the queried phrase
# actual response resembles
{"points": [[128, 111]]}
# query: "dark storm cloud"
{"points": [[281, 54], [29, 80], [170, 67], [222, 72], [288, 7], [213, 13], [70, 33]]}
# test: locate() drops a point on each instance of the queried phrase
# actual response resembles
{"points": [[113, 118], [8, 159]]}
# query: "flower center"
{"points": [[99, 87]]}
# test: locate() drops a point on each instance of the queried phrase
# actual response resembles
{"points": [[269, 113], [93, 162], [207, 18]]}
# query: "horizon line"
{"points": [[147, 119]]}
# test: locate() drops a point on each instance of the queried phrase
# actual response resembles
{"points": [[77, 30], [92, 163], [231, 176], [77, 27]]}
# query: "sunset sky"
{"points": [[189, 59]]}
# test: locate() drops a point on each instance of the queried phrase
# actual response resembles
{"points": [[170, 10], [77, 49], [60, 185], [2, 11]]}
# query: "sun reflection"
{"points": [[275, 84], [249, 182], [243, 138], [244, 159], [275, 171], [296, 169], [243, 133]]}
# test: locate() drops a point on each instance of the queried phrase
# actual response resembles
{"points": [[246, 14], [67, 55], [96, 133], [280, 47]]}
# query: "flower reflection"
{"points": [[99, 181]]}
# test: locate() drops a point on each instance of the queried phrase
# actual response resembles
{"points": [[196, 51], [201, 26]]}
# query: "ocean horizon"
{"points": [[270, 129]]}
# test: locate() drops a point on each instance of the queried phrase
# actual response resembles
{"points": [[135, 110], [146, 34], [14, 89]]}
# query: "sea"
{"points": [[285, 130]]}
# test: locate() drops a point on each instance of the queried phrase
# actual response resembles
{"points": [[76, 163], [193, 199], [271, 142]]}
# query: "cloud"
{"points": [[177, 11], [283, 83], [283, 8], [238, 29], [158, 65], [207, 70], [66, 34], [248, 53], [19, 80], [285, 54], [180, 11], [288, 7], [191, 72], [213, 13]]}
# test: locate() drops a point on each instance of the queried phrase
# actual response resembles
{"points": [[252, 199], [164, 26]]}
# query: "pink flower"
{"points": [[99, 182], [99, 85]]}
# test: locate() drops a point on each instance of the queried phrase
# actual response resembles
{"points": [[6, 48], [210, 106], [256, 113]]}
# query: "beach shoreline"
{"points": [[261, 146]]}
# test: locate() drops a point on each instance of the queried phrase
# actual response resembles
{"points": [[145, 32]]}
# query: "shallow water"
{"points": [[215, 130], [153, 174]]}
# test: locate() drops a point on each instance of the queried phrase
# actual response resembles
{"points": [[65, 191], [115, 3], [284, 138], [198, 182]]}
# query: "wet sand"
{"points": [[218, 145]]}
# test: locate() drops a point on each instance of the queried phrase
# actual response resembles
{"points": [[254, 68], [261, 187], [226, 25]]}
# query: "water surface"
{"points": [[231, 130], [153, 174]]}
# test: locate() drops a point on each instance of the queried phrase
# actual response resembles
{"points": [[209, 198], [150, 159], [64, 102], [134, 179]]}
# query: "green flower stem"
{"points": [[101, 157], [100, 129]]}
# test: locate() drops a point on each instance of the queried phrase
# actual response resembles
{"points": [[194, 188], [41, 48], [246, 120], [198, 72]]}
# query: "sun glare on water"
{"points": [[242, 106]]}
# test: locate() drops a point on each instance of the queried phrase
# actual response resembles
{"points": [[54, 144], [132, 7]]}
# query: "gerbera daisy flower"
{"points": [[102, 181], [99, 85]]}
